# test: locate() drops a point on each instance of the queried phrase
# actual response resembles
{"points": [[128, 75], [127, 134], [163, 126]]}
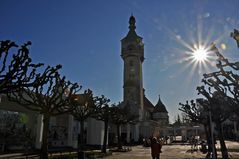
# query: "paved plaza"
{"points": [[170, 152], [178, 151]]}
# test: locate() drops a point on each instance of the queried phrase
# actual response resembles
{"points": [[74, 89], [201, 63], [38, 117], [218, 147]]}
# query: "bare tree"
{"points": [[198, 112], [224, 83], [220, 108], [103, 112], [16, 69], [50, 95], [223, 89], [121, 115], [225, 80], [83, 108]]}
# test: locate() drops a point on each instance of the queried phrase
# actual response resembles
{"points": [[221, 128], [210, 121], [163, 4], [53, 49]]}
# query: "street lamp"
{"points": [[211, 130], [209, 114]]}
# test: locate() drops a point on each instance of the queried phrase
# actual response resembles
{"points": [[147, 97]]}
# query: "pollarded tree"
{"points": [[103, 112], [219, 106], [83, 108], [50, 95], [121, 115], [16, 69], [225, 80], [118, 118], [198, 112]]}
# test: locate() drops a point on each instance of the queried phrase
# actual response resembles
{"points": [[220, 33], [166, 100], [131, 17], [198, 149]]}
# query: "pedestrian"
{"points": [[155, 148]]}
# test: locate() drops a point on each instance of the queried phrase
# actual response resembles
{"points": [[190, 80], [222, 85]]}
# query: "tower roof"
{"points": [[132, 35], [147, 104], [160, 107]]}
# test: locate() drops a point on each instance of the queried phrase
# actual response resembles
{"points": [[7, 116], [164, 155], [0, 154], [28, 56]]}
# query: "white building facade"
{"points": [[63, 129]]}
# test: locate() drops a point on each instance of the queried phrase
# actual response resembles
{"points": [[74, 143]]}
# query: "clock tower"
{"points": [[132, 52]]}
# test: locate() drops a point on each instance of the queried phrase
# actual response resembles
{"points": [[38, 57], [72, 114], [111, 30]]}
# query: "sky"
{"points": [[84, 37]]}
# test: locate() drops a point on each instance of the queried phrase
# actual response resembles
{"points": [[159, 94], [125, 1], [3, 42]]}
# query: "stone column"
{"points": [[39, 130], [184, 133], [76, 133], [70, 131], [95, 132], [128, 133], [136, 132]]}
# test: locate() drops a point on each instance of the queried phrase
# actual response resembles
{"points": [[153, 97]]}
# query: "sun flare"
{"points": [[194, 51], [200, 54]]}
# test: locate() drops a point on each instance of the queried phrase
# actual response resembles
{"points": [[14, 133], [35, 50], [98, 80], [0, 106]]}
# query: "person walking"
{"points": [[155, 148]]}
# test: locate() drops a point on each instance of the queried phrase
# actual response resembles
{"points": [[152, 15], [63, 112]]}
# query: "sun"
{"points": [[200, 54], [193, 52], [198, 57]]}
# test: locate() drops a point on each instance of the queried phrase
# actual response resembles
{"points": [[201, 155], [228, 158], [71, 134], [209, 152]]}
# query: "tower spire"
{"points": [[160, 107], [132, 21]]}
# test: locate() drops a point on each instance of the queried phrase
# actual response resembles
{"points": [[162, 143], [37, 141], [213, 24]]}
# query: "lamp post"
{"points": [[211, 130], [208, 113]]}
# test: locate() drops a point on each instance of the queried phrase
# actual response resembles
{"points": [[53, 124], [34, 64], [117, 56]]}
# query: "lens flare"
{"points": [[200, 54]]}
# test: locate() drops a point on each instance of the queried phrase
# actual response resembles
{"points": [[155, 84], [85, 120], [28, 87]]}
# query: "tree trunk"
{"points": [[209, 143], [4, 140], [44, 146], [119, 137], [215, 148], [105, 136], [81, 154], [207, 132], [222, 141]]}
